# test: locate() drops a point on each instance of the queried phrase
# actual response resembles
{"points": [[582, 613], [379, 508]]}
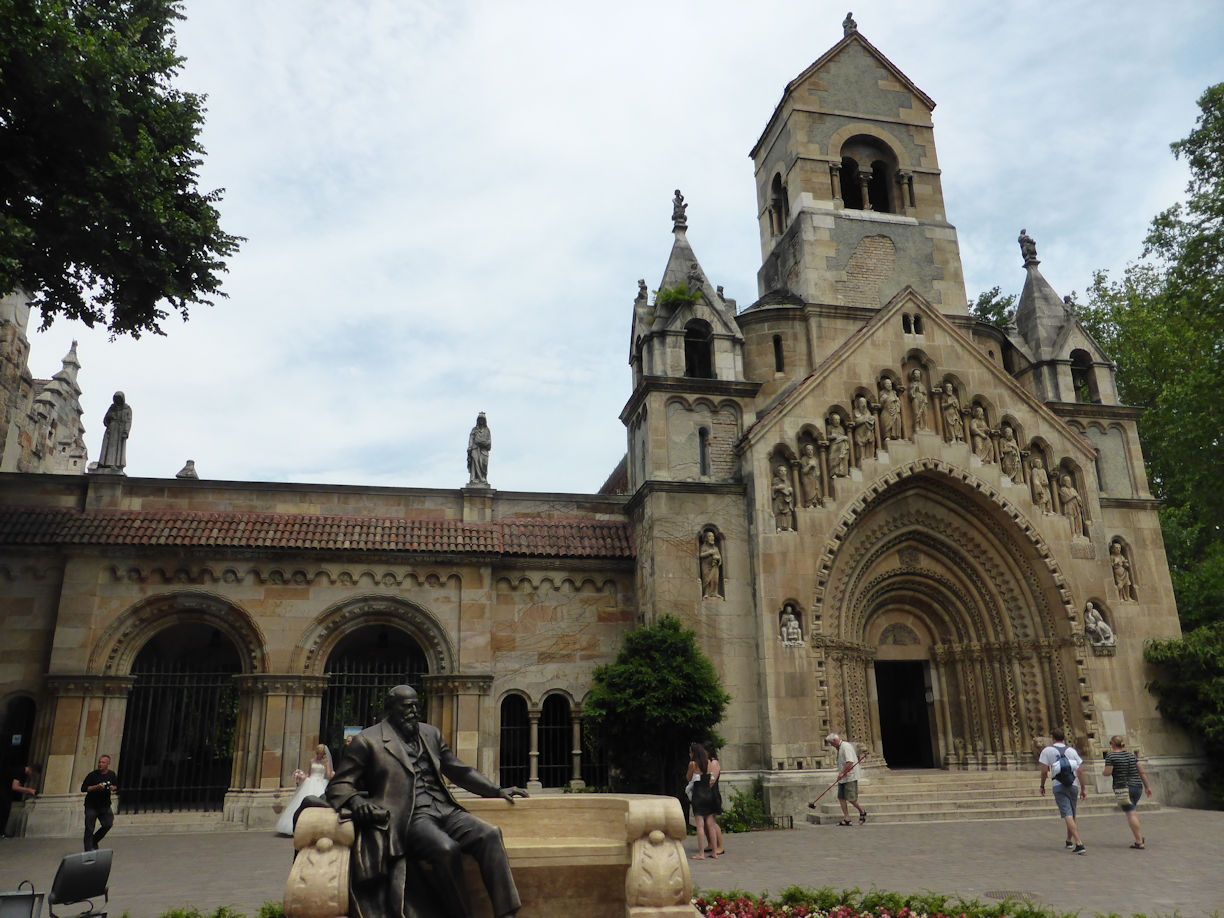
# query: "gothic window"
{"points": [[779, 362], [698, 350]]}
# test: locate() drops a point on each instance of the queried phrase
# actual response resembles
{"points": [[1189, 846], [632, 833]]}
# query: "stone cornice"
{"points": [[281, 684], [458, 684], [89, 686], [686, 385], [647, 488], [1089, 410]]}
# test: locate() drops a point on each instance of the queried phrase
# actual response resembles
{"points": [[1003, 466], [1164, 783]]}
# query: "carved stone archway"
{"points": [[1003, 662], [310, 655]]}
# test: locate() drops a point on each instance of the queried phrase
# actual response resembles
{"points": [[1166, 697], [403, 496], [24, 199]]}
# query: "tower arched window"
{"points": [[851, 188], [779, 205], [703, 450], [879, 189], [1083, 378], [698, 350], [869, 175], [779, 358]]}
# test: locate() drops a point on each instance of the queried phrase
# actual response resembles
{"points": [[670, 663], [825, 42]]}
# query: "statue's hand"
{"points": [[509, 793], [366, 813]]}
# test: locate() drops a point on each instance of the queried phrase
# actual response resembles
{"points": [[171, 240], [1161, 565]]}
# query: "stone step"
{"points": [[948, 814], [172, 823]]}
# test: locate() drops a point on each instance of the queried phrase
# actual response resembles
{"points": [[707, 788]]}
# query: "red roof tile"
{"points": [[544, 538]]}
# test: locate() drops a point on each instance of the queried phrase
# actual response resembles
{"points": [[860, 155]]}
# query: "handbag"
{"points": [[1122, 795]]}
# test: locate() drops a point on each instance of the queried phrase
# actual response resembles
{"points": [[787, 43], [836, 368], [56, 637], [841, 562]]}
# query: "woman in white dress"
{"points": [[314, 783]]}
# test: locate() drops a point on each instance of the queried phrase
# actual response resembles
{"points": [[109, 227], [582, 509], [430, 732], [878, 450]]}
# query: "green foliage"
{"points": [[659, 695], [800, 902], [1190, 689], [271, 910], [993, 307], [679, 295], [101, 219], [747, 810]]}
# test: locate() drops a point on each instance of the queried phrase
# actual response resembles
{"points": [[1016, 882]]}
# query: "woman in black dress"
{"points": [[706, 797]]}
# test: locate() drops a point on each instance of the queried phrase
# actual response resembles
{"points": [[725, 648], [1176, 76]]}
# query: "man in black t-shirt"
{"points": [[19, 786], [97, 786]]}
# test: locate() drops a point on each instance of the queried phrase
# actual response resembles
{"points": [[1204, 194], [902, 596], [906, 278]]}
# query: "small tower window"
{"points": [[917, 324], [779, 361], [698, 350], [703, 450], [779, 206], [879, 189], [851, 189], [907, 324], [1083, 378], [868, 175]]}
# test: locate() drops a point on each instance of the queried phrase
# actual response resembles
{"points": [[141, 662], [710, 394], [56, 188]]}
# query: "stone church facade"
{"points": [[881, 516]]}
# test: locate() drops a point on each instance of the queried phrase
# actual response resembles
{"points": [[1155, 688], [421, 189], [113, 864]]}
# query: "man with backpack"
{"points": [[1065, 766]]}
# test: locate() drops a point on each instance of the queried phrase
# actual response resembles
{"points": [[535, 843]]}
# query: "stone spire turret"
{"points": [[1041, 312]]}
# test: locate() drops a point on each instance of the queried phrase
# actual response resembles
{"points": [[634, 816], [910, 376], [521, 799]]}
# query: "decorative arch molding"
{"points": [[863, 129], [202, 575], [123, 639], [337, 622], [549, 582]]}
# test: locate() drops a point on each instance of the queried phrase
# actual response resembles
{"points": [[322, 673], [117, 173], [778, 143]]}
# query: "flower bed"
{"points": [[798, 902]]}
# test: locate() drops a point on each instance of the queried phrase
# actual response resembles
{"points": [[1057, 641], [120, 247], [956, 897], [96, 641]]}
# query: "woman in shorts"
{"points": [[1129, 783]]}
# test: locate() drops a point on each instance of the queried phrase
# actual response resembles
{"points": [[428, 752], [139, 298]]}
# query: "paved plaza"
{"points": [[1181, 871]]}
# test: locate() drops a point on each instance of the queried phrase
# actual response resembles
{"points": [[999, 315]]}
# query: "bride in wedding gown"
{"points": [[314, 783]]}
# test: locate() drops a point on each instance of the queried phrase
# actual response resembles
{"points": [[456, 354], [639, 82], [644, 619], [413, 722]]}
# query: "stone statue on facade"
{"points": [[953, 421], [979, 432], [783, 500], [1122, 572], [480, 441], [188, 470], [1009, 453], [1028, 248], [839, 447], [890, 411], [118, 424], [1039, 479], [391, 782], [1072, 505], [679, 218], [710, 560], [810, 477], [642, 294], [790, 630], [694, 280], [864, 429], [849, 26], [918, 400], [1096, 629]]}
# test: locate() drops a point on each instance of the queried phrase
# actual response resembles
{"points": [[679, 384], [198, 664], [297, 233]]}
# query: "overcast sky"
{"points": [[448, 204]]}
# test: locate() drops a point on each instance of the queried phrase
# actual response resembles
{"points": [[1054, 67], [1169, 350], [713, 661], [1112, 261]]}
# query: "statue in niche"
{"points": [[480, 441], [1122, 572], [790, 630], [839, 448], [979, 433], [918, 400], [118, 424], [864, 429], [1040, 480], [783, 499], [1028, 248], [953, 421], [1097, 629], [1072, 505], [809, 476], [890, 411], [679, 219], [1009, 453], [710, 560]]}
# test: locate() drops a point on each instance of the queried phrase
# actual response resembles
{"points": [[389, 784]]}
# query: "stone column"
{"points": [[835, 182], [943, 711], [864, 185], [455, 709], [576, 749], [533, 751], [86, 720]]}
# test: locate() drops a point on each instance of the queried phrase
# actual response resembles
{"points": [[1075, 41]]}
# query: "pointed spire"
{"points": [[68, 372], [1041, 312]]}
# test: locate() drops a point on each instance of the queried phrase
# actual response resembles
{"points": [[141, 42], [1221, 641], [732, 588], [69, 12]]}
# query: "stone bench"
{"points": [[595, 855]]}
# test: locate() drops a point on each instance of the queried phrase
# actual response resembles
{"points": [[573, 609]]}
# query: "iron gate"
{"points": [[356, 689], [178, 738], [556, 739], [515, 738]]}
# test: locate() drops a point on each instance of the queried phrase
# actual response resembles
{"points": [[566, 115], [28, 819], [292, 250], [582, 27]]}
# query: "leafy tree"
{"points": [[660, 694], [101, 219], [993, 307]]}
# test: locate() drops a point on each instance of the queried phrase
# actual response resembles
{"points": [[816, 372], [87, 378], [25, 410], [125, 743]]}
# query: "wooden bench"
{"points": [[595, 855]]}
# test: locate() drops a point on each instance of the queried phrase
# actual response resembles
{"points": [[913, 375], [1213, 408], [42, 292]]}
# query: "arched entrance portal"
{"points": [[361, 669], [178, 735], [947, 637]]}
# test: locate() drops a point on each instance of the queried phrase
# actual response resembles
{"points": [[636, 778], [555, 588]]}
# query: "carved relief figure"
{"points": [[783, 500], [979, 432], [1097, 629], [1009, 453], [864, 429], [918, 400], [480, 441], [890, 411], [118, 424], [953, 421], [1072, 505], [710, 560], [809, 476], [790, 630], [839, 448], [1122, 572], [1039, 478]]}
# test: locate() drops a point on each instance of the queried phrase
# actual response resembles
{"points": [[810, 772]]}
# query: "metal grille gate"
{"points": [[356, 689], [515, 739], [556, 739], [178, 738]]}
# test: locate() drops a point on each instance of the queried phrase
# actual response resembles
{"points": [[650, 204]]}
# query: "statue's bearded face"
{"points": [[404, 713]]}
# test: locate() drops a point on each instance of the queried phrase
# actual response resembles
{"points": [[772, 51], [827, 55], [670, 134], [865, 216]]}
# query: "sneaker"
{"points": [[1070, 845], [1079, 849]]}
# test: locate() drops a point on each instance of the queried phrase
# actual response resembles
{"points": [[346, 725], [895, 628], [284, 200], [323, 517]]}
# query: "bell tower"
{"points": [[849, 198]]}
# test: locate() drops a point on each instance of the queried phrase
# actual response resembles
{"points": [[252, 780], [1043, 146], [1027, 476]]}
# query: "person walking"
{"points": [[1129, 784], [1068, 768], [847, 778], [21, 787], [706, 797], [97, 786], [715, 767]]}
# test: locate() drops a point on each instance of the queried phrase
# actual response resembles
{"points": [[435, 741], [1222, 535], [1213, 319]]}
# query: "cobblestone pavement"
{"points": [[1181, 871]]}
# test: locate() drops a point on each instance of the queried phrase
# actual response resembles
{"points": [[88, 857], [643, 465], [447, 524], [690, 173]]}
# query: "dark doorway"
{"points": [[905, 726]]}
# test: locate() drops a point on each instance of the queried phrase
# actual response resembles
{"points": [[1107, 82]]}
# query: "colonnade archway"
{"points": [[945, 629]]}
